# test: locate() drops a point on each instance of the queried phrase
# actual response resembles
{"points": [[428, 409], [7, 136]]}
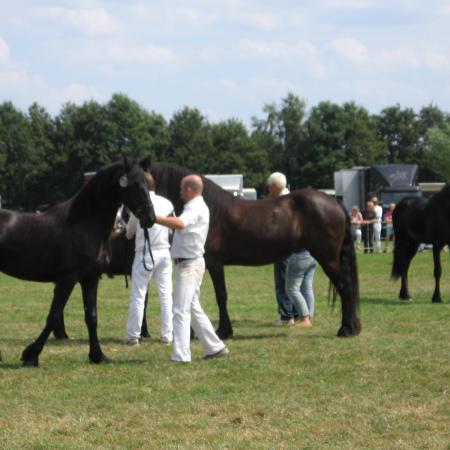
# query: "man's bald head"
{"points": [[191, 186], [194, 182]]}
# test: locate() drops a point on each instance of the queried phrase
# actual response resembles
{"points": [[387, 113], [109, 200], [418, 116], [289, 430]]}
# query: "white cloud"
{"points": [[4, 52], [209, 54], [88, 20], [302, 52], [350, 49], [111, 53], [227, 84], [195, 16], [272, 85], [27, 88], [139, 53], [354, 52]]}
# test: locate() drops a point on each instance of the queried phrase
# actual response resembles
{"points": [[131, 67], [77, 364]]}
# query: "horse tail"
{"points": [[399, 244], [348, 287]]}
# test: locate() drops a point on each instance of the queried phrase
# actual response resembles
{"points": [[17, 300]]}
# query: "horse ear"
{"points": [[146, 164], [126, 163]]}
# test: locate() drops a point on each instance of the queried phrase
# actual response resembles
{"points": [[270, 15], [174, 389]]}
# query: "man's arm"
{"points": [[171, 222]]}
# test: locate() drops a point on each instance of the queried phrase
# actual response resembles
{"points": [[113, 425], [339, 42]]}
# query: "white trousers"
{"points": [[140, 279], [188, 312], [377, 237]]}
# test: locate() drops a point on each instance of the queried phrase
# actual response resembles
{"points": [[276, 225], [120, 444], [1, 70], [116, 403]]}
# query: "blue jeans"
{"points": [[300, 270], [286, 308]]}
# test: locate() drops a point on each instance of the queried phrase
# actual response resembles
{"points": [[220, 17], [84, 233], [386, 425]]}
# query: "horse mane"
{"points": [[168, 177], [86, 200]]}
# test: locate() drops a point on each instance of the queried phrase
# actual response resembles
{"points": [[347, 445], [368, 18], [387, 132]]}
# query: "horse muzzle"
{"points": [[146, 217]]}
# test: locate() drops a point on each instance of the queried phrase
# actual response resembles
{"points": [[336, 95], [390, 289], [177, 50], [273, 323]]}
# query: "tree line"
{"points": [[43, 158]]}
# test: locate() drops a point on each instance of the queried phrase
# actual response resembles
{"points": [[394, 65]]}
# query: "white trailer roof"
{"points": [[233, 183]]}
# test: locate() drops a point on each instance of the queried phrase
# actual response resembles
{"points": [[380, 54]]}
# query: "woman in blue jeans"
{"points": [[300, 270]]}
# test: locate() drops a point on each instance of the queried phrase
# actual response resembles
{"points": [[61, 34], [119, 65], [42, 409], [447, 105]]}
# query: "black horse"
{"points": [[419, 220], [244, 232], [68, 244]]}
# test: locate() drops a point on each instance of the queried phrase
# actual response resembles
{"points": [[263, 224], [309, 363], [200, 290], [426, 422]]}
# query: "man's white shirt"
{"points": [[190, 241], [159, 235]]}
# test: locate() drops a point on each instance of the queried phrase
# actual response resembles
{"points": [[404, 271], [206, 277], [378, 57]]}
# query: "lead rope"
{"points": [[147, 241]]}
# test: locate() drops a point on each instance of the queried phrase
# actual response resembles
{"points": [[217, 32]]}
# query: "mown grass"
{"points": [[389, 388]]}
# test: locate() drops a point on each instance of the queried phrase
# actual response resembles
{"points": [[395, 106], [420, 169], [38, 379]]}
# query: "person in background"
{"points": [[356, 219], [300, 270], [389, 226], [143, 270], [377, 225], [277, 186], [370, 218], [188, 248]]}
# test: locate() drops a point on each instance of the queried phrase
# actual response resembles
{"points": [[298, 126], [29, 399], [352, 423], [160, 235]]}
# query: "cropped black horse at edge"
{"points": [[251, 233], [68, 244], [420, 220]]}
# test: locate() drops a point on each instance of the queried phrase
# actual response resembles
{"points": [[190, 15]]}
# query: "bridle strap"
{"points": [[147, 242]]}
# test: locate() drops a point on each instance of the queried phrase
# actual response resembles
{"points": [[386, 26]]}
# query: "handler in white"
{"points": [[191, 229], [377, 225], [162, 270]]}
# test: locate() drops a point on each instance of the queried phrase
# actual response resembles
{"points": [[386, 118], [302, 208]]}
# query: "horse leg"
{"points": [[144, 327], [59, 331], [341, 269], [217, 273], [61, 293], [409, 253], [89, 289], [437, 273]]}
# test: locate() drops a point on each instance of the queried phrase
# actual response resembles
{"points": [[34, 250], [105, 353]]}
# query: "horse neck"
{"points": [[168, 179], [97, 202]]}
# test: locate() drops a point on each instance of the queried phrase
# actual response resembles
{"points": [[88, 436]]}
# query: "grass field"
{"points": [[294, 388]]}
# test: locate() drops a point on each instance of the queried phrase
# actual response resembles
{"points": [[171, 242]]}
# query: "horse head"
{"points": [[134, 192]]}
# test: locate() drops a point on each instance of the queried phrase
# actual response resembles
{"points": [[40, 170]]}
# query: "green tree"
{"points": [[282, 134], [339, 137], [16, 157], [190, 140], [437, 152]]}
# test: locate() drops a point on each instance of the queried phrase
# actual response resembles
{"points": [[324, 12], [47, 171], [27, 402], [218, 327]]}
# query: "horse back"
{"points": [[42, 247], [263, 231]]}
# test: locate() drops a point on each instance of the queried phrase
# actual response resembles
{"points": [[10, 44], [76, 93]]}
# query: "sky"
{"points": [[227, 58]]}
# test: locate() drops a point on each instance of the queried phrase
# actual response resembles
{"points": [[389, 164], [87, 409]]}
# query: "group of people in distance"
{"points": [[367, 226]]}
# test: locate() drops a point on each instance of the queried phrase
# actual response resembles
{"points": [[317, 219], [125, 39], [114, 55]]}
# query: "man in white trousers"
{"points": [[377, 225], [188, 247], [142, 274]]}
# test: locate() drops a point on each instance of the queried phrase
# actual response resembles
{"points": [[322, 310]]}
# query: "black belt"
{"points": [[180, 260]]}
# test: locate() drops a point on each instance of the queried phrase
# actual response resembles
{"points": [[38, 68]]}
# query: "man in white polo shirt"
{"points": [[143, 270], [377, 225], [188, 247]]}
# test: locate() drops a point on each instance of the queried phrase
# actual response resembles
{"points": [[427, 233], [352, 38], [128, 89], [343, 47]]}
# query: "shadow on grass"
{"points": [[385, 302]]}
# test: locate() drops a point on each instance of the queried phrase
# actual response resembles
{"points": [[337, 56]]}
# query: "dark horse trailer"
{"points": [[389, 182]]}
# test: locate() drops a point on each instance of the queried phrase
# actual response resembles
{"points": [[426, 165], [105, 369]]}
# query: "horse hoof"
{"points": [[437, 301], [224, 334], [61, 337], [347, 332], [406, 299], [29, 358], [100, 359]]}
